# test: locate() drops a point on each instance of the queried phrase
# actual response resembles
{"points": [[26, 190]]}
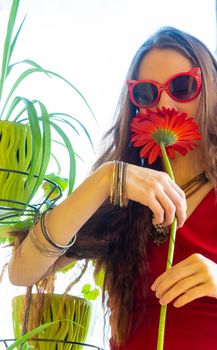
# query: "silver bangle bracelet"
{"points": [[42, 248], [49, 238], [118, 185]]}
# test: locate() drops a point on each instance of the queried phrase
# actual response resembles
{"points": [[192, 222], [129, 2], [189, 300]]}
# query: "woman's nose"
{"points": [[165, 100]]}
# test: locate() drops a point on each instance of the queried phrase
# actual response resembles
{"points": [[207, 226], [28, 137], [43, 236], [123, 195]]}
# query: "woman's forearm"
{"points": [[28, 265], [149, 187]]}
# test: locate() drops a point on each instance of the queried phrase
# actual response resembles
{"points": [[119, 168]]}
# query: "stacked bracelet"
{"points": [[56, 249], [42, 248], [118, 186], [48, 237]]}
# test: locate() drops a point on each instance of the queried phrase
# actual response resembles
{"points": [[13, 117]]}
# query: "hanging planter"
{"points": [[73, 312], [23, 171], [29, 134]]}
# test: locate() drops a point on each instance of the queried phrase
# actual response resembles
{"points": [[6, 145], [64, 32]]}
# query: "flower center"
{"points": [[167, 137]]}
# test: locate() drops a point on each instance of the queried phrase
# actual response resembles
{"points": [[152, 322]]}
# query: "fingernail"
{"points": [[176, 303]]}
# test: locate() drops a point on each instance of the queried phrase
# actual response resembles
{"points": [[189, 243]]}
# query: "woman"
{"points": [[121, 238]]}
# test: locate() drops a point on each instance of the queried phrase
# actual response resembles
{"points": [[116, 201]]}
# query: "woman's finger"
{"points": [[180, 206], [168, 208], [190, 295], [156, 208], [180, 288], [180, 193], [181, 270]]}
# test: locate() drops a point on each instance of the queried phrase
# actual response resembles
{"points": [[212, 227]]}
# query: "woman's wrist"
{"points": [[84, 200], [106, 173]]}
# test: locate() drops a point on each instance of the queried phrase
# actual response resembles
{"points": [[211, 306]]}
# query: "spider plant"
{"points": [[35, 144]]}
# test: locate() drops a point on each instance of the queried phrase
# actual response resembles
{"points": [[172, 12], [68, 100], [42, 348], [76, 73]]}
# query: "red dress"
{"points": [[193, 326]]}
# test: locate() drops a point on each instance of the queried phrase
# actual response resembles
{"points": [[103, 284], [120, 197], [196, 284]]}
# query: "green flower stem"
{"points": [[163, 310], [166, 161]]}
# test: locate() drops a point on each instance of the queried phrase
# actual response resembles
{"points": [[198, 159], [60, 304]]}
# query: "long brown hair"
{"points": [[117, 237]]}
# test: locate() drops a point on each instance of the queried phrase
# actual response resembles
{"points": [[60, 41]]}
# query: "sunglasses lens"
{"points": [[183, 87], [145, 94]]}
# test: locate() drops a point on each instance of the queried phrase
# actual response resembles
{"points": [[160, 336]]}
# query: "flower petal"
{"points": [[177, 131]]}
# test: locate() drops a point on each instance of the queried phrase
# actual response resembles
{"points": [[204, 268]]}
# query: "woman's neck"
{"points": [[187, 167]]}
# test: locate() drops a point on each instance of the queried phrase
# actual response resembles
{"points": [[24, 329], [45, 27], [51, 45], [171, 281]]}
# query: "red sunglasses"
{"points": [[181, 87]]}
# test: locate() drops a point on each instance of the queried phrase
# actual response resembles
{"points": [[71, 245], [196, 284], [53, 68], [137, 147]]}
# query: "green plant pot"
{"points": [[15, 155], [74, 314]]}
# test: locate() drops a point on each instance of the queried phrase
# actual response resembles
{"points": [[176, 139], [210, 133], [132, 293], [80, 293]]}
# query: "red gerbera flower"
{"points": [[177, 131], [164, 132]]}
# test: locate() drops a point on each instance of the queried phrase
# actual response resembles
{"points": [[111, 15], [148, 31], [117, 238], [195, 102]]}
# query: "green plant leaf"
{"points": [[66, 122], [86, 288], [13, 105], [41, 142], [67, 144], [31, 63], [77, 121], [99, 278], [6, 240], [24, 75], [46, 145], [30, 71], [61, 181], [68, 267], [7, 44], [36, 142], [53, 116], [33, 332], [56, 162], [47, 186], [88, 293], [71, 153], [76, 154], [13, 45], [72, 86]]}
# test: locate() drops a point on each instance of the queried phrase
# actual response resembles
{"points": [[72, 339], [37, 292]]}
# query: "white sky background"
{"points": [[91, 43]]}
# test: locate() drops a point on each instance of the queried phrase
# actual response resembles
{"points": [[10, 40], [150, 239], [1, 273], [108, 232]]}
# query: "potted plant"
{"points": [[27, 132], [25, 152], [73, 312]]}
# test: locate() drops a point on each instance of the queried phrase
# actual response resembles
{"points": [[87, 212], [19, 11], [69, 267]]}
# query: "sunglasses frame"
{"points": [[194, 72]]}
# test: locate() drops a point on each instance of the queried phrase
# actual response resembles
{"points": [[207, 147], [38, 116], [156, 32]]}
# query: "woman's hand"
{"points": [[159, 192], [192, 278]]}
